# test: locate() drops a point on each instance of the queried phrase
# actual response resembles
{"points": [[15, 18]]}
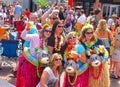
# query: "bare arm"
{"points": [[82, 57], [56, 84], [44, 79], [50, 49], [46, 14]]}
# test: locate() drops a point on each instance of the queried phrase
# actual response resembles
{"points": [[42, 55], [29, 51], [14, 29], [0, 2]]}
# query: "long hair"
{"points": [[51, 64], [102, 26], [54, 27]]}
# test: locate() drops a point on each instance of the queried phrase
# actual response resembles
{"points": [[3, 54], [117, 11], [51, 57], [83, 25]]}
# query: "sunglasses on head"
{"points": [[56, 59], [72, 37], [89, 32], [48, 31]]}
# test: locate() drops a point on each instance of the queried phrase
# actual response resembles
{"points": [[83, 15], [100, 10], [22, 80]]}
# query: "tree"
{"points": [[43, 3]]}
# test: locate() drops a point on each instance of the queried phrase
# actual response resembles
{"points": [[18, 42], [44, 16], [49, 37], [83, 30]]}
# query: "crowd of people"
{"points": [[68, 38]]}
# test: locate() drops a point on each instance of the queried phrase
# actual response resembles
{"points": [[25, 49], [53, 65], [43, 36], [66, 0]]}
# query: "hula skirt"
{"points": [[26, 74], [81, 81]]}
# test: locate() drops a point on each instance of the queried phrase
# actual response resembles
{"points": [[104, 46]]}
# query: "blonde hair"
{"points": [[102, 26], [56, 55], [71, 34]]}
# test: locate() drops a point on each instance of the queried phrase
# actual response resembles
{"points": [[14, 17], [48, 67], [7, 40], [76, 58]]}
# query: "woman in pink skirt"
{"points": [[28, 74], [80, 77]]}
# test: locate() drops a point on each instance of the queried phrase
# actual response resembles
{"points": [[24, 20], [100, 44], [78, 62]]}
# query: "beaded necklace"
{"points": [[58, 45]]}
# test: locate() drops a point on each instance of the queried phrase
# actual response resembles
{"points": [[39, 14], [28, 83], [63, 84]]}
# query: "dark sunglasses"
{"points": [[56, 59], [89, 32], [60, 26], [48, 31]]}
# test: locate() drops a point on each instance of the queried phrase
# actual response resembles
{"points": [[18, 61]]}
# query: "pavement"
{"points": [[4, 83]]}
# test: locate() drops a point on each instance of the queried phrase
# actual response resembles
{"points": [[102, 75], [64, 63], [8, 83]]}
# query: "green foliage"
{"points": [[43, 3]]}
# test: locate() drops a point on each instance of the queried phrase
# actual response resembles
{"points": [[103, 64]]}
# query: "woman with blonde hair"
{"points": [[104, 33], [50, 75], [76, 52]]}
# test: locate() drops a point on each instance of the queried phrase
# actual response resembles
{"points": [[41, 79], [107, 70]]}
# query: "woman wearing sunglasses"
{"points": [[90, 41], [50, 75], [28, 74], [80, 76], [56, 42]]}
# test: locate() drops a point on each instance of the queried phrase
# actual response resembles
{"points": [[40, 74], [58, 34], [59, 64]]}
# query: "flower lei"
{"points": [[91, 43], [72, 83], [99, 72], [58, 44]]}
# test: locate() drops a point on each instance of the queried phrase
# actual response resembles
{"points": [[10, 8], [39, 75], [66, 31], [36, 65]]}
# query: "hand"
{"points": [[54, 4]]}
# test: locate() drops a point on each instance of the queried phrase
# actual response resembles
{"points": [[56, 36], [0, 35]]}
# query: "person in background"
{"points": [[96, 17], [104, 34], [61, 16], [51, 74], [50, 16], [113, 29], [18, 11], [27, 13], [112, 19], [39, 11], [116, 53], [81, 20]]}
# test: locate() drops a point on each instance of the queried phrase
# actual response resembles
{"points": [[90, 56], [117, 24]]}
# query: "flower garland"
{"points": [[58, 44], [72, 83], [91, 43], [99, 72]]}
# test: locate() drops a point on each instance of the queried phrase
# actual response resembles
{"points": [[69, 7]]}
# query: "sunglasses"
{"points": [[48, 31], [89, 32], [72, 37], [60, 26], [56, 59]]}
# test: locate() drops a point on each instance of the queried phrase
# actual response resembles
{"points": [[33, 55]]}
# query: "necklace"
{"points": [[58, 44], [99, 72], [72, 83], [90, 43]]}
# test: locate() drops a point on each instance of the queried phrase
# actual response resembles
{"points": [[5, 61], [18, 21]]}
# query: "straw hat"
{"points": [[114, 15]]}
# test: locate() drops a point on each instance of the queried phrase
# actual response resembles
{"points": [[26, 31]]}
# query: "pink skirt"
{"points": [[81, 81], [26, 74]]}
